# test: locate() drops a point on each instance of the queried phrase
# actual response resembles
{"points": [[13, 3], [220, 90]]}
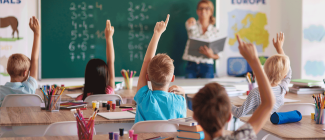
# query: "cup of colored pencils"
{"points": [[85, 125], [251, 81], [52, 97], [319, 108], [128, 78]]}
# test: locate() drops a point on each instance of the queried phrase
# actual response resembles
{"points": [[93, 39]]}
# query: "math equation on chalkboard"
{"points": [[84, 33]]}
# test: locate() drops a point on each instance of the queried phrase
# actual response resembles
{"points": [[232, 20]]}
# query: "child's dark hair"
{"points": [[96, 77], [212, 108]]}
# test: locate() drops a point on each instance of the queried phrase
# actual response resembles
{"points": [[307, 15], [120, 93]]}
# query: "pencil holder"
{"points": [[52, 103], [251, 86], [319, 116], [128, 83], [85, 129]]}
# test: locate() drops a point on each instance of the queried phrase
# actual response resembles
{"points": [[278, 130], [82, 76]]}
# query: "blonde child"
{"points": [[22, 70], [158, 103], [212, 108], [278, 71]]}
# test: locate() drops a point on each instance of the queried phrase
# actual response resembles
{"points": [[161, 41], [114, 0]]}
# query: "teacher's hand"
{"points": [[190, 22], [208, 52]]}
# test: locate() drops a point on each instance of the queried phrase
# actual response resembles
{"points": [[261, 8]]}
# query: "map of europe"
{"points": [[250, 26]]}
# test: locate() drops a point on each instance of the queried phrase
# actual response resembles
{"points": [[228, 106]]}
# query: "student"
{"points": [[22, 70], [158, 104], [278, 71], [212, 108], [99, 76]]}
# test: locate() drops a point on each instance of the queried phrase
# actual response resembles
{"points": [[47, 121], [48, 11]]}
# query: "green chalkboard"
{"points": [[73, 33]]}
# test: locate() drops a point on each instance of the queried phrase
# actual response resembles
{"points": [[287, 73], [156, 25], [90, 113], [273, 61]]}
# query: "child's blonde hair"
{"points": [[276, 67], [17, 64], [161, 70]]}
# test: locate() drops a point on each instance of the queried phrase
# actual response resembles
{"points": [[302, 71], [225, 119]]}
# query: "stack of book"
{"points": [[303, 86], [188, 129]]}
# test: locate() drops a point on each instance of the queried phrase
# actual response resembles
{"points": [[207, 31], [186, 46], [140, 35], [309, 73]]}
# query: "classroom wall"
{"points": [[313, 29], [283, 15]]}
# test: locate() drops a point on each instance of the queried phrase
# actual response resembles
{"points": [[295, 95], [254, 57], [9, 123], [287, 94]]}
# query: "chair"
{"points": [[17, 100], [67, 128], [154, 126], [189, 102], [303, 108], [103, 97]]}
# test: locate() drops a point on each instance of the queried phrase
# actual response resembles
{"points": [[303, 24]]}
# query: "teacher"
{"points": [[200, 67]]}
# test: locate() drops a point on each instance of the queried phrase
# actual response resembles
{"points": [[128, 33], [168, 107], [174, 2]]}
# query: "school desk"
{"points": [[303, 98], [304, 129], [37, 120], [141, 136]]}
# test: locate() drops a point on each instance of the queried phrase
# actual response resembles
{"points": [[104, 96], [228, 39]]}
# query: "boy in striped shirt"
{"points": [[278, 71]]}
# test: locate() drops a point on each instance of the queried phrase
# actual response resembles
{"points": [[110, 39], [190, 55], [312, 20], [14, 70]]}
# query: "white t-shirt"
{"points": [[196, 31]]}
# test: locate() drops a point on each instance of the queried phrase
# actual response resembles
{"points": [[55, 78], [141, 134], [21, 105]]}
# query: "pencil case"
{"points": [[285, 117]]}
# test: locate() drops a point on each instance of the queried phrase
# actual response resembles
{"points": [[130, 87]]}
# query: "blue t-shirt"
{"points": [[158, 105], [27, 87]]}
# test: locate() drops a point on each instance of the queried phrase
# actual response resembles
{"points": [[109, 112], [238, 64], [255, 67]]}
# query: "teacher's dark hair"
{"points": [[96, 77], [211, 6]]}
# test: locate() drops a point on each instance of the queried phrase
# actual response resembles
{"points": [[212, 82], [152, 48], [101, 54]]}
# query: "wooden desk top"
{"points": [[22, 116], [305, 98], [141, 136], [305, 129], [124, 93]]}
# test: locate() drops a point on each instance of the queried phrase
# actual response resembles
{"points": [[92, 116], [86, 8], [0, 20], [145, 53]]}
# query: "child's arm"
{"points": [[109, 31], [262, 113], [34, 25], [151, 51], [279, 42], [250, 103]]}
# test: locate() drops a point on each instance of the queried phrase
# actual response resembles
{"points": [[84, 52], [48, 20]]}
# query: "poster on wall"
{"points": [[251, 20], [13, 33]]}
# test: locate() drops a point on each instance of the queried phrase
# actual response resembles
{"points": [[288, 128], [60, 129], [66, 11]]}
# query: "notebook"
{"points": [[216, 45], [117, 115], [305, 82], [73, 95], [189, 121]]}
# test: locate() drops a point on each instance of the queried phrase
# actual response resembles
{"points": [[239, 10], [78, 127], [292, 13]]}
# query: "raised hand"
{"points": [[190, 22], [34, 25], [247, 50], [278, 43], [109, 30], [161, 26]]}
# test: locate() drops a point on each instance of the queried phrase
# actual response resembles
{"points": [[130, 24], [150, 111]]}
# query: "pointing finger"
{"points": [[239, 40], [167, 20], [108, 24]]}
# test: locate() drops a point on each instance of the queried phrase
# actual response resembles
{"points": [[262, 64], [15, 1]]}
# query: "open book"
{"points": [[216, 45]]}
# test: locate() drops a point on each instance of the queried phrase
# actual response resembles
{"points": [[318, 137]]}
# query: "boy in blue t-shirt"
{"points": [[159, 103], [22, 70]]}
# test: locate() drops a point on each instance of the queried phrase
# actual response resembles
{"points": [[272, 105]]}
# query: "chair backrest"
{"points": [[67, 128], [103, 97], [154, 126], [17, 100], [303, 108], [189, 102]]}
